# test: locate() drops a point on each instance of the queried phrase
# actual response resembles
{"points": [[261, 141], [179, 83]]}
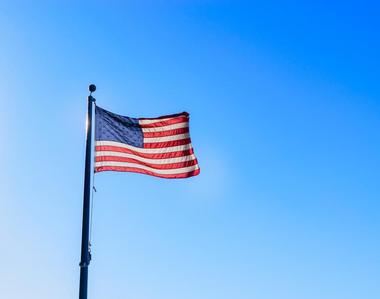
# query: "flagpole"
{"points": [[85, 252]]}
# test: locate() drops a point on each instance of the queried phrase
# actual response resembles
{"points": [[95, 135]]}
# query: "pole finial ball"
{"points": [[92, 87]]}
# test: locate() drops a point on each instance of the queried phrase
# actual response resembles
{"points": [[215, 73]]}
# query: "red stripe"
{"points": [[168, 122], [167, 143], [166, 116], [149, 156], [166, 133], [156, 166], [138, 170]]}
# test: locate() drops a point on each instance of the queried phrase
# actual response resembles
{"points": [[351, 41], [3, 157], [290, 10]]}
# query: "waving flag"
{"points": [[159, 146]]}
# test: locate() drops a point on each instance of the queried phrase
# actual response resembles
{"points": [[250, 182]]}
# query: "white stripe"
{"points": [[145, 160], [166, 138], [166, 128], [158, 171], [145, 150], [157, 120]]}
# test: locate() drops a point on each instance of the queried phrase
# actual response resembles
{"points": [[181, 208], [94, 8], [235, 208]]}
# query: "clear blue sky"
{"points": [[284, 100]]}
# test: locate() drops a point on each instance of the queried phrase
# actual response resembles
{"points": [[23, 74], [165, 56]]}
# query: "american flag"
{"points": [[159, 146]]}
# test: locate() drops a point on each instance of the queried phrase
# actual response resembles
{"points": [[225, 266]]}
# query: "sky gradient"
{"points": [[284, 104]]}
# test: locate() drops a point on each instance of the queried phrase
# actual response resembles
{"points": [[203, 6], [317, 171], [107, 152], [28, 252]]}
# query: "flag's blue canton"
{"points": [[114, 127]]}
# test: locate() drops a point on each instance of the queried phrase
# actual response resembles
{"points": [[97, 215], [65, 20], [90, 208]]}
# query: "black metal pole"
{"points": [[85, 252]]}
